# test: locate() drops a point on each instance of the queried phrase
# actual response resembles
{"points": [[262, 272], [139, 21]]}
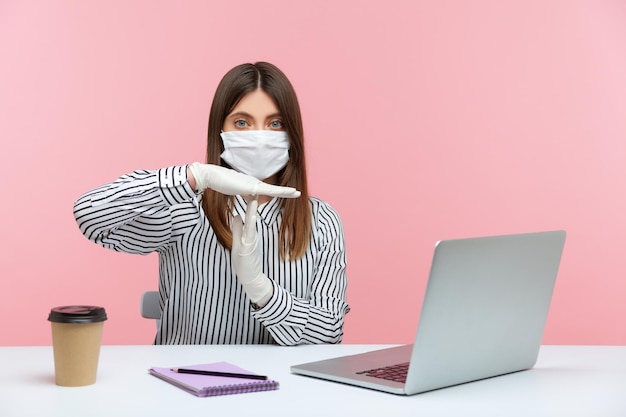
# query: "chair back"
{"points": [[150, 306]]}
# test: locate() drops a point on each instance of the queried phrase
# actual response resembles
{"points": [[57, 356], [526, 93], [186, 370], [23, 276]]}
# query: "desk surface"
{"points": [[567, 381]]}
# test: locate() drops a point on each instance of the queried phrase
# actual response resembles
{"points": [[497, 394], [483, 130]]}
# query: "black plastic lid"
{"points": [[77, 314]]}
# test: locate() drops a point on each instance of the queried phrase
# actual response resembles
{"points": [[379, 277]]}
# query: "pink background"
{"points": [[424, 120]]}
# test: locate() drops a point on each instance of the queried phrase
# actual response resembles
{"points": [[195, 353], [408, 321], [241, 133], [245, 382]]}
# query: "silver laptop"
{"points": [[483, 315]]}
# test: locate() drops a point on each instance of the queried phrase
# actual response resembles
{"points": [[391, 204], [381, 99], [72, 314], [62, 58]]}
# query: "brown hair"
{"points": [[295, 228]]}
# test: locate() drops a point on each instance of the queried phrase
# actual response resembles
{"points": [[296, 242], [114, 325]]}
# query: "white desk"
{"points": [[567, 381]]}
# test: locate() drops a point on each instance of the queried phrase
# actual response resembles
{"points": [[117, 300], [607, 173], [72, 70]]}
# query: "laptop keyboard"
{"points": [[392, 373]]}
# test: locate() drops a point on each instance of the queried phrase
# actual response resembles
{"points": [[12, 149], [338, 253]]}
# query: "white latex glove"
{"points": [[246, 260], [230, 182]]}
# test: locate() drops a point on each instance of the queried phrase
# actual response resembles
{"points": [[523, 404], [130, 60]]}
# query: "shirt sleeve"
{"points": [[132, 214], [320, 317]]}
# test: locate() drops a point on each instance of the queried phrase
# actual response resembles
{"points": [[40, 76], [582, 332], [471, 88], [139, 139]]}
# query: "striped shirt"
{"points": [[201, 300]]}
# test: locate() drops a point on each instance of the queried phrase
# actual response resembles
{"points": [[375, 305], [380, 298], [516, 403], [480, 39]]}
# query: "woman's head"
{"points": [[239, 82], [243, 80]]}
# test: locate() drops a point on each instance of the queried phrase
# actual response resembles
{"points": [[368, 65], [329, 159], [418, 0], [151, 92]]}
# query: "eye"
{"points": [[241, 123], [276, 124]]}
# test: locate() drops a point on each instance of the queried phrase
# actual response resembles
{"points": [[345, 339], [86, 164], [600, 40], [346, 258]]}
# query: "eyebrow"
{"points": [[248, 115]]}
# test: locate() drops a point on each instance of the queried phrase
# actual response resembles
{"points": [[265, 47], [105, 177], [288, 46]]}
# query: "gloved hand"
{"points": [[230, 182], [246, 259]]}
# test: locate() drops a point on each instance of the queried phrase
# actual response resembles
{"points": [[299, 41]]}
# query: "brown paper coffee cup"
{"points": [[76, 340]]}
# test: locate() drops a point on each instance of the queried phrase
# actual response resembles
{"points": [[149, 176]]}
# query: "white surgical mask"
{"points": [[260, 153]]}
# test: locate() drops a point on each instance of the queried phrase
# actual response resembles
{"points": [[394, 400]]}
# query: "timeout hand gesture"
{"points": [[230, 182]]}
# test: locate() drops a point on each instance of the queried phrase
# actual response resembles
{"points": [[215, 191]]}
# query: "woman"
{"points": [[240, 260]]}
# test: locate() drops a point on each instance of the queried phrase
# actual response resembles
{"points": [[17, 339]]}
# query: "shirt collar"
{"points": [[268, 212]]}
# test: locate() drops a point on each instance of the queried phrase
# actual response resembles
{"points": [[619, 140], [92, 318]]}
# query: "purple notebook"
{"points": [[209, 386]]}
